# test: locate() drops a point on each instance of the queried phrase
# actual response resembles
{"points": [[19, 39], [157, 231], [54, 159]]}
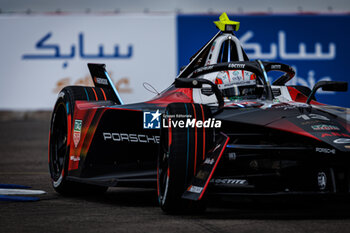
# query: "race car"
{"points": [[220, 128]]}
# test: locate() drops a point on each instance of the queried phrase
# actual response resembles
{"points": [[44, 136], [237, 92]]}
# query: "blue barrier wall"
{"points": [[316, 46]]}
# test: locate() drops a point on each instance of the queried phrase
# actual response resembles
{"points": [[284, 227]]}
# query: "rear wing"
{"points": [[101, 78]]}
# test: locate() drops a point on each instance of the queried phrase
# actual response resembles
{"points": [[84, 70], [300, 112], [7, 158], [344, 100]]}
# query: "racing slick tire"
{"points": [[59, 138], [181, 152]]}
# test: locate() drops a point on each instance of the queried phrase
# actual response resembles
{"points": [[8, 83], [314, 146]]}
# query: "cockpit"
{"points": [[222, 62]]}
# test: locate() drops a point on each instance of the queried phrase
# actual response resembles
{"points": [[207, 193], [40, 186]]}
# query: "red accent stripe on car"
{"points": [[104, 94], [195, 141], [69, 122], [288, 126], [169, 134], [345, 124], [183, 95], [86, 130], [92, 129], [94, 93], [228, 75], [212, 172], [297, 96]]}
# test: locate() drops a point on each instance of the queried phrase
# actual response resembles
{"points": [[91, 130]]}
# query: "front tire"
{"points": [[59, 141], [181, 152]]}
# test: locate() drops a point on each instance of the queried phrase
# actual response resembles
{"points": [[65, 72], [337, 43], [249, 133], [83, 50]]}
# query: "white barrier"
{"points": [[41, 54]]}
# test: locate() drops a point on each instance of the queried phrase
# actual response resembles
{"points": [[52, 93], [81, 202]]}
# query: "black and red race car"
{"points": [[220, 128]]}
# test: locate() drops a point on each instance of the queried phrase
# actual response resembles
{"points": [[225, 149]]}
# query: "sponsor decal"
{"points": [[125, 137], [236, 73], [238, 82], [209, 123], [284, 106], [202, 174], [77, 132], [275, 67], [61, 94], [204, 68], [102, 81], [342, 141], [322, 180], [209, 161], [207, 91], [312, 122], [151, 120], [332, 134], [325, 150], [324, 127], [195, 189], [74, 158], [43, 44], [236, 66], [232, 156], [312, 116], [229, 181], [217, 146], [122, 85], [243, 104]]}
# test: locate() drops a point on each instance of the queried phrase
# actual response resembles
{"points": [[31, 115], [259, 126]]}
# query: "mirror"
{"points": [[334, 86], [327, 86]]}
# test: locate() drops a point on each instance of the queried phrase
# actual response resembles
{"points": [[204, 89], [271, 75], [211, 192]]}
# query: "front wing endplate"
{"points": [[206, 170]]}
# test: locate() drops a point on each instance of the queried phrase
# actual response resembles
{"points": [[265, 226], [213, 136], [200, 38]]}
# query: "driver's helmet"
{"points": [[236, 83]]}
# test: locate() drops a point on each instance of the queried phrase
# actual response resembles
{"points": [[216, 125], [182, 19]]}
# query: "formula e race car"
{"points": [[221, 128]]}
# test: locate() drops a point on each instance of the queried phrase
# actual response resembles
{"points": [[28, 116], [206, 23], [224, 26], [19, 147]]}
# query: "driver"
{"points": [[236, 83]]}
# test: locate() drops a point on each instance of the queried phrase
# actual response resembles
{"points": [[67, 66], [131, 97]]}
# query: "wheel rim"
{"points": [[58, 142]]}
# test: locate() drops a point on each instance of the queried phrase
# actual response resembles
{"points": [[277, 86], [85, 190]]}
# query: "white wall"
{"points": [[32, 83], [182, 6]]}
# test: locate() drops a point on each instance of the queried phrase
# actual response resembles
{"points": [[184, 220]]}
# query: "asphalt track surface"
{"points": [[23, 160]]}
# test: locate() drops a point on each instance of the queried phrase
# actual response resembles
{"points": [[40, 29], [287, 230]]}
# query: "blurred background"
{"points": [[46, 44]]}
